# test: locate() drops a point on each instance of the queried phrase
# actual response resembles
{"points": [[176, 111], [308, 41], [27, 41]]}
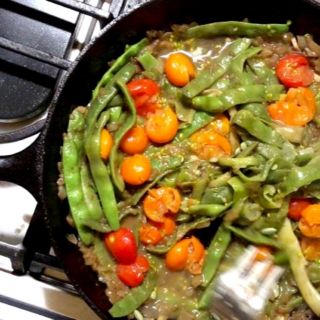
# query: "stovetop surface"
{"points": [[27, 85]]}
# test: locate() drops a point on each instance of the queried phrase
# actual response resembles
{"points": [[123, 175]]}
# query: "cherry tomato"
{"points": [[122, 245], [186, 254], [160, 201], [179, 69], [150, 234], [294, 71], [311, 248], [296, 206], [162, 126], [309, 229], [297, 109], [106, 143], [312, 214], [132, 275], [169, 225], [208, 144], [142, 90], [220, 125], [136, 169], [177, 257], [135, 141], [264, 252]]}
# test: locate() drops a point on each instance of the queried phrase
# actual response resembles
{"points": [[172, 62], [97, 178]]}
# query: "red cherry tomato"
{"points": [[294, 71], [142, 90], [132, 275], [296, 206], [122, 245]]}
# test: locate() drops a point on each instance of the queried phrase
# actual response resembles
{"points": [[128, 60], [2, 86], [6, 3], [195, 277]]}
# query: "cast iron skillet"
{"points": [[36, 169]]}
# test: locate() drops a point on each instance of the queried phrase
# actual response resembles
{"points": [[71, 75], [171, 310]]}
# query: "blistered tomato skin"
{"points": [[294, 71], [122, 245], [133, 275]]}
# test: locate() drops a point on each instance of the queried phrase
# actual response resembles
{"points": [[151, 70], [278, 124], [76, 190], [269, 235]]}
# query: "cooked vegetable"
{"points": [[161, 201], [135, 141], [297, 109], [297, 263], [195, 145], [297, 205], [162, 126], [236, 28], [179, 69], [294, 71], [133, 274], [106, 142], [136, 170], [122, 245]]}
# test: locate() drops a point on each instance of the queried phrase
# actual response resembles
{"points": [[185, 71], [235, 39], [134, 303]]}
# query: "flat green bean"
{"points": [[253, 237], [71, 172], [208, 210], [118, 64], [215, 252], [200, 120], [130, 122], [206, 78], [241, 95], [299, 177], [258, 110], [236, 28], [100, 174], [246, 120], [264, 74], [99, 104]]}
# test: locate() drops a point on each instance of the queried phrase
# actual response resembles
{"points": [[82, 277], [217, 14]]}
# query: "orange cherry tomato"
{"points": [[294, 71], [169, 225], [132, 275], [312, 213], [297, 109], [264, 252], [134, 141], [309, 229], [142, 92], [162, 126], [106, 143], [179, 69], [160, 201], [310, 248], [208, 144], [296, 206], [150, 234], [186, 254], [220, 125], [177, 257], [136, 169], [195, 259]]}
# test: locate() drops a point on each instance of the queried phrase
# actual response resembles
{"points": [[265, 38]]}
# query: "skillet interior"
{"points": [[127, 29]]}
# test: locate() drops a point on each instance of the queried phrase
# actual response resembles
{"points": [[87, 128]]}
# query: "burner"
{"points": [[26, 85]]}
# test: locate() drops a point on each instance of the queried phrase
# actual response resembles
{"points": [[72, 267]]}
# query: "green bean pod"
{"points": [[118, 64], [241, 95], [100, 174], [120, 133], [236, 28], [215, 252], [71, 172]]}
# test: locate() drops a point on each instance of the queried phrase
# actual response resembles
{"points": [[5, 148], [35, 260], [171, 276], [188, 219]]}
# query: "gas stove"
{"points": [[38, 41]]}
